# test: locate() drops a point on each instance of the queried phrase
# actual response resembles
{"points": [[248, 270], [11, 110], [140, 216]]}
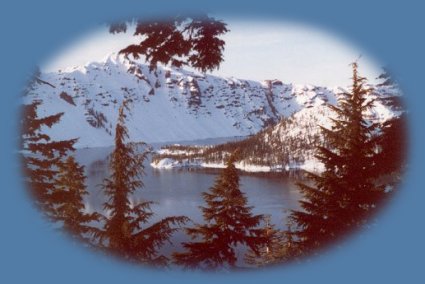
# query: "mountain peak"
{"points": [[169, 104], [115, 58]]}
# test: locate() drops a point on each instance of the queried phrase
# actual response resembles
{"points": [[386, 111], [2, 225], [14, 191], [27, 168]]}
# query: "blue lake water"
{"points": [[179, 192]]}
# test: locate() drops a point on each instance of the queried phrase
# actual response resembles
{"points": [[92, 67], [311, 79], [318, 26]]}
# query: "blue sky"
{"points": [[255, 50]]}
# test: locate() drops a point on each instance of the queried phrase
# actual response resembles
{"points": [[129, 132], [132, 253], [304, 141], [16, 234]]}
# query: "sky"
{"points": [[255, 50]]}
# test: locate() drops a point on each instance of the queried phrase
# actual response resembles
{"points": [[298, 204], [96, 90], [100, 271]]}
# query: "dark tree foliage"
{"points": [[386, 78], [56, 183], [254, 149], [344, 196], [228, 222], [393, 141], [42, 157], [126, 232], [183, 40], [68, 200], [394, 131], [392, 100], [271, 253]]}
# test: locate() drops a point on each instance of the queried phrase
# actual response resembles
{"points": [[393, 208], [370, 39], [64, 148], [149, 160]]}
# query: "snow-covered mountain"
{"points": [[172, 104], [289, 144]]}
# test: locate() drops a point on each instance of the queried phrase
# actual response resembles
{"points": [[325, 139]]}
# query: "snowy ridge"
{"points": [[290, 144], [169, 104]]}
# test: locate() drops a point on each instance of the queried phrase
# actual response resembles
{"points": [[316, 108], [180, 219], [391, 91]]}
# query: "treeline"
{"points": [[263, 149]]}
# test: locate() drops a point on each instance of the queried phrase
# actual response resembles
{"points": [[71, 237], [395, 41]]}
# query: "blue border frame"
{"points": [[390, 252]]}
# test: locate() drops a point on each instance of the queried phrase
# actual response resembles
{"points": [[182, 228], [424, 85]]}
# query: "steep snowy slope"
{"points": [[169, 104], [291, 143]]}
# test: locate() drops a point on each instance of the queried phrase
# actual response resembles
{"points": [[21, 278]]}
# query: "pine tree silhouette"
{"points": [[42, 157], [345, 195], [386, 77], [392, 158], [68, 200], [229, 222], [394, 131], [182, 40], [126, 233], [56, 185], [270, 253]]}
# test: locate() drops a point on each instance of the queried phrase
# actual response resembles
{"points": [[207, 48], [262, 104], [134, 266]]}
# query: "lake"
{"points": [[179, 192]]}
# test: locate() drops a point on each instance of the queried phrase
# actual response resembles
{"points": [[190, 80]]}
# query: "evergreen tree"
{"points": [[345, 194], [57, 185], [270, 253], [386, 78], [125, 231], [41, 156], [389, 91], [68, 200], [182, 40], [393, 140], [229, 222], [290, 251]]}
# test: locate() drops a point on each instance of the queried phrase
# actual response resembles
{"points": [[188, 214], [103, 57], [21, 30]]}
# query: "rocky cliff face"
{"points": [[172, 104]]}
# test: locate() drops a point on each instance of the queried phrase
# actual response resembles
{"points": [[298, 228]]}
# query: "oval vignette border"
{"points": [[410, 90]]}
